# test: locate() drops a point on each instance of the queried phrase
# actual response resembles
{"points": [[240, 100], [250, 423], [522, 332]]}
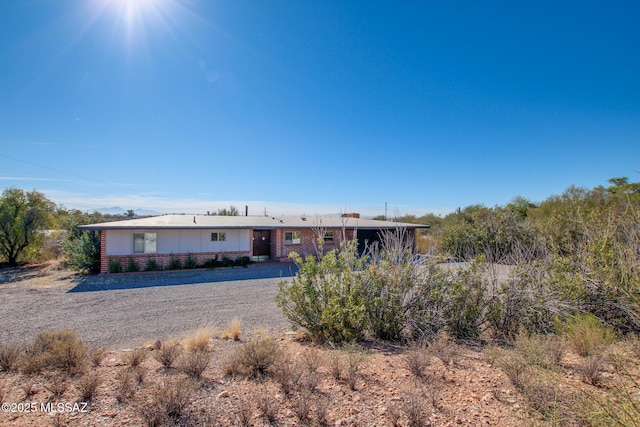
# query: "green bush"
{"points": [[174, 263], [82, 251], [115, 266], [325, 295], [468, 301], [586, 334], [151, 265], [132, 265], [191, 262]]}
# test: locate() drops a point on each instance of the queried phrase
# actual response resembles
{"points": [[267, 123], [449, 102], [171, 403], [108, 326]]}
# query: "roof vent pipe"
{"points": [[194, 219], [246, 210]]}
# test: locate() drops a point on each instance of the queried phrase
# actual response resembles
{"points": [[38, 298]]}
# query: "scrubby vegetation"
{"points": [[573, 262]]}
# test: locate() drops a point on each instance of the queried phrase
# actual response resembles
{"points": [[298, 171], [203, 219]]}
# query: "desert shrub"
{"points": [[135, 357], [288, 374], [190, 262], [132, 265], [533, 348], [167, 403], [591, 368], [444, 348], [393, 286], [468, 301], [244, 413], [96, 355], [125, 386], [324, 297], [415, 408], [31, 361], [513, 364], [233, 330], [88, 386], [174, 263], [114, 265], [167, 354], [151, 265], [356, 357], [618, 407], [267, 406], [302, 407], [529, 300], [586, 334], [62, 350], [9, 355], [194, 363], [416, 359], [199, 339], [254, 358], [57, 386]]}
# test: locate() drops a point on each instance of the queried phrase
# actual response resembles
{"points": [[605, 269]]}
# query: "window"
{"points": [[291, 237], [218, 237], [328, 237], [144, 243]]}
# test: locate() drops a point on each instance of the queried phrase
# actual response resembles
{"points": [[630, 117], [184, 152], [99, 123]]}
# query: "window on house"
{"points": [[144, 243], [218, 237], [328, 237], [291, 237]]}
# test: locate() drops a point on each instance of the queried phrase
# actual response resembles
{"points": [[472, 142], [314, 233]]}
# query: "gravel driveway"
{"points": [[119, 311]]}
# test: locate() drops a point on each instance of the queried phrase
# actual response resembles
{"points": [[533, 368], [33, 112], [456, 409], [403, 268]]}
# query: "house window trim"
{"points": [[145, 249], [221, 236], [293, 240], [329, 237]]}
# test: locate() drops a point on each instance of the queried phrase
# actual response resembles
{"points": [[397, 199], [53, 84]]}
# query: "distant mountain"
{"points": [[117, 210]]}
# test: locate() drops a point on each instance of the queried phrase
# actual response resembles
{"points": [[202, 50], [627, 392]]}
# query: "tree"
{"points": [[23, 218], [81, 248], [232, 211]]}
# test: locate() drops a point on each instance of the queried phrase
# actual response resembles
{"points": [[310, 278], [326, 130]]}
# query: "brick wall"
{"points": [[163, 260]]}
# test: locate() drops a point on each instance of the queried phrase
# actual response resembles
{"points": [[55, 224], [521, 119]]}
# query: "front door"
{"points": [[261, 243]]}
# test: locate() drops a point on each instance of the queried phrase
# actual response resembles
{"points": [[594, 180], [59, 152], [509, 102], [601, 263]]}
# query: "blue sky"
{"points": [[316, 107]]}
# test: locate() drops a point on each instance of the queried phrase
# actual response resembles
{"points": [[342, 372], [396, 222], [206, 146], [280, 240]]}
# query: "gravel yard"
{"points": [[125, 310]]}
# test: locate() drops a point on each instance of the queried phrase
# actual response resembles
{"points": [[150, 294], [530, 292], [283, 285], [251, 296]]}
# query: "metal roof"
{"points": [[179, 221]]}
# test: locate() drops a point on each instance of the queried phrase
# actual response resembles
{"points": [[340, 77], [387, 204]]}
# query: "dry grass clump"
{"points": [[57, 386], [356, 357], [125, 386], [415, 408], [168, 353], [591, 369], [540, 350], [198, 340], [254, 358], [194, 363], [88, 386], [267, 406], [233, 331], [60, 350], [586, 334], [135, 357], [167, 402], [445, 348], [96, 355], [9, 354], [244, 413], [416, 360]]}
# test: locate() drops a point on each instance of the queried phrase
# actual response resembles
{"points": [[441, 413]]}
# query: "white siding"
{"points": [[120, 242]]}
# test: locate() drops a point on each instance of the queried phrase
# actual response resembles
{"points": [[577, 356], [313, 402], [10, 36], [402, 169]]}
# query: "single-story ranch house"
{"points": [[206, 237]]}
